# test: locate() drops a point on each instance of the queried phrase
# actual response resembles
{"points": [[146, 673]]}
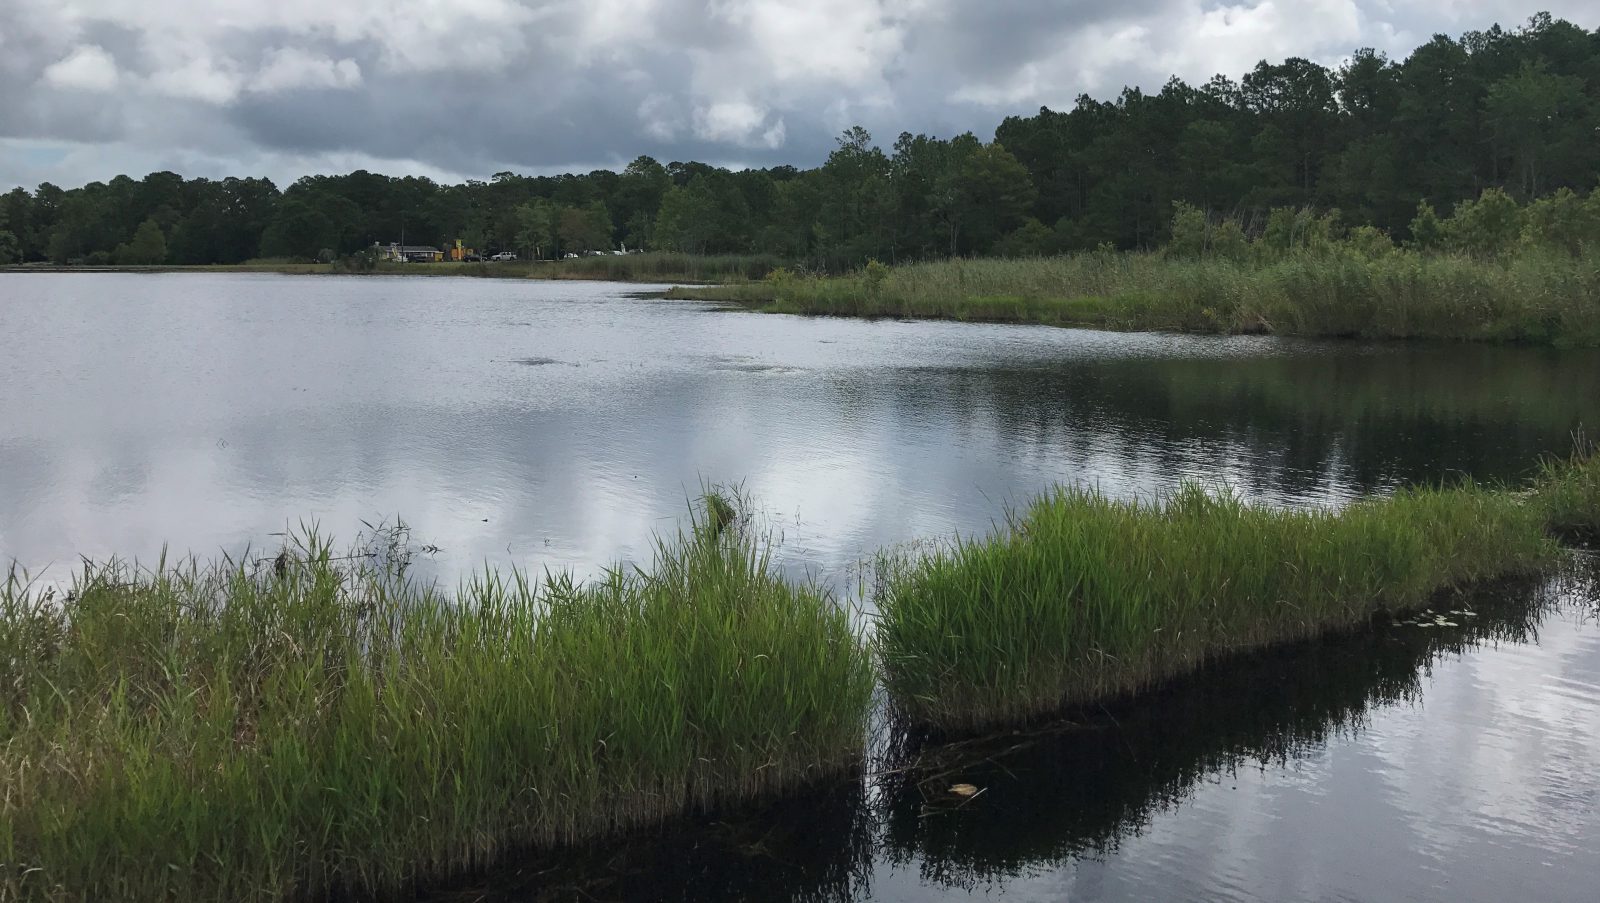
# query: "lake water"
{"points": [[563, 425]]}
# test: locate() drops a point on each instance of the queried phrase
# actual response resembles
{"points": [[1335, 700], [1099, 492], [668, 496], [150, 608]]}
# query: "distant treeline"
{"points": [[1516, 110]]}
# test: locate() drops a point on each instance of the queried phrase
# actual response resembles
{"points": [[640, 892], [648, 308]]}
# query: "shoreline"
{"points": [[648, 268], [1530, 299]]}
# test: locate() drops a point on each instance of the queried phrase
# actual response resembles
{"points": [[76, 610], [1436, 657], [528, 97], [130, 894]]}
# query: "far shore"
{"points": [[665, 268]]}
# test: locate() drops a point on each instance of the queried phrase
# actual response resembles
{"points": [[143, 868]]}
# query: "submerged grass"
{"points": [[1084, 597], [216, 733], [1534, 297]]}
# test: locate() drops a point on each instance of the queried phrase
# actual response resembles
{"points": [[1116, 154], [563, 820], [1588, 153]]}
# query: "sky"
{"points": [[455, 89]]}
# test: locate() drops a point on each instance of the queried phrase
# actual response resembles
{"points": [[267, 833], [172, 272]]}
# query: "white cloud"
{"points": [[87, 68], [737, 122], [288, 68], [660, 117], [774, 136], [200, 78]]}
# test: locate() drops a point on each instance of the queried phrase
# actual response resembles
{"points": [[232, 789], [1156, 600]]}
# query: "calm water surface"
{"points": [[562, 425]]}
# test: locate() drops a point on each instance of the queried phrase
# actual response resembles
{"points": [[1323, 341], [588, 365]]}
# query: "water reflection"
{"points": [[206, 411], [1391, 763], [209, 411]]}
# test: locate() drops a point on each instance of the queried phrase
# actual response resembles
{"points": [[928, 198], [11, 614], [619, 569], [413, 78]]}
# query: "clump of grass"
{"points": [[1084, 597], [719, 511], [1569, 494], [1534, 297], [228, 732]]}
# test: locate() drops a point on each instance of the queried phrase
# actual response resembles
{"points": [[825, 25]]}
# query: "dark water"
{"points": [[562, 425], [1400, 763]]}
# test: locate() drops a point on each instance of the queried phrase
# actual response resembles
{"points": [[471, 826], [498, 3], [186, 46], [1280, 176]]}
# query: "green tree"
{"points": [[299, 230], [855, 213], [1489, 225], [1532, 112], [1427, 230], [539, 222], [1031, 239], [638, 198], [10, 248], [683, 222], [992, 195], [1564, 220], [586, 228], [148, 246]]}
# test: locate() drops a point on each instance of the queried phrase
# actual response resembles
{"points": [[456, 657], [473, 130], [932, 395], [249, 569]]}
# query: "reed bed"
{"points": [[1084, 598], [308, 727], [1533, 297], [1568, 492]]}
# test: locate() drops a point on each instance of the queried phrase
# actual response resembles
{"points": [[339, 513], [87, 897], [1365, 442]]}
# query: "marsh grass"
{"points": [[1569, 493], [1533, 297], [235, 732], [1082, 598], [315, 724]]}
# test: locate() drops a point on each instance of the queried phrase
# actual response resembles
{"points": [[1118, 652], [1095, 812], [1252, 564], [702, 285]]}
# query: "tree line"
{"points": [[1512, 110]]}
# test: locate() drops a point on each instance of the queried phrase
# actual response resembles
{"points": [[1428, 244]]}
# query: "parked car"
{"points": [[504, 255], [473, 258]]}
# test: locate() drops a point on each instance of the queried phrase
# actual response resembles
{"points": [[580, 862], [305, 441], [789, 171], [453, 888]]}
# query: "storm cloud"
{"points": [[464, 88]]}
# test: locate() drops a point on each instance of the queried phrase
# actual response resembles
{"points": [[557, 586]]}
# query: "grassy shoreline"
{"points": [[295, 727], [303, 728], [1536, 297], [1083, 599]]}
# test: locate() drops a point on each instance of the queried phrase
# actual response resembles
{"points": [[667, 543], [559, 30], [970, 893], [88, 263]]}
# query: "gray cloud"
{"points": [[97, 87]]}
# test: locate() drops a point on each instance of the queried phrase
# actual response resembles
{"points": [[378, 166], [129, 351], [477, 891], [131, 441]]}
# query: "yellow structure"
{"points": [[457, 251]]}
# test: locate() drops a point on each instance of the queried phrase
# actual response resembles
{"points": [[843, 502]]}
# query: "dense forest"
{"points": [[1510, 109]]}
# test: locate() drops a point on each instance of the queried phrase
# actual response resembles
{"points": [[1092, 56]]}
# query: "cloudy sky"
{"points": [[464, 88]]}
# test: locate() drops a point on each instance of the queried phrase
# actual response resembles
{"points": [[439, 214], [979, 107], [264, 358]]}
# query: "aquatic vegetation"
{"points": [[308, 724], [1536, 296], [1569, 493], [1082, 597]]}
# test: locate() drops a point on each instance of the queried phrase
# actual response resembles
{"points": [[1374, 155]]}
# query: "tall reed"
{"points": [[1084, 597], [1569, 494], [1535, 297], [218, 733]]}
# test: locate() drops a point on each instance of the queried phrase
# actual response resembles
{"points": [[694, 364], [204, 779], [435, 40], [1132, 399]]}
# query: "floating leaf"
{"points": [[963, 790]]}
